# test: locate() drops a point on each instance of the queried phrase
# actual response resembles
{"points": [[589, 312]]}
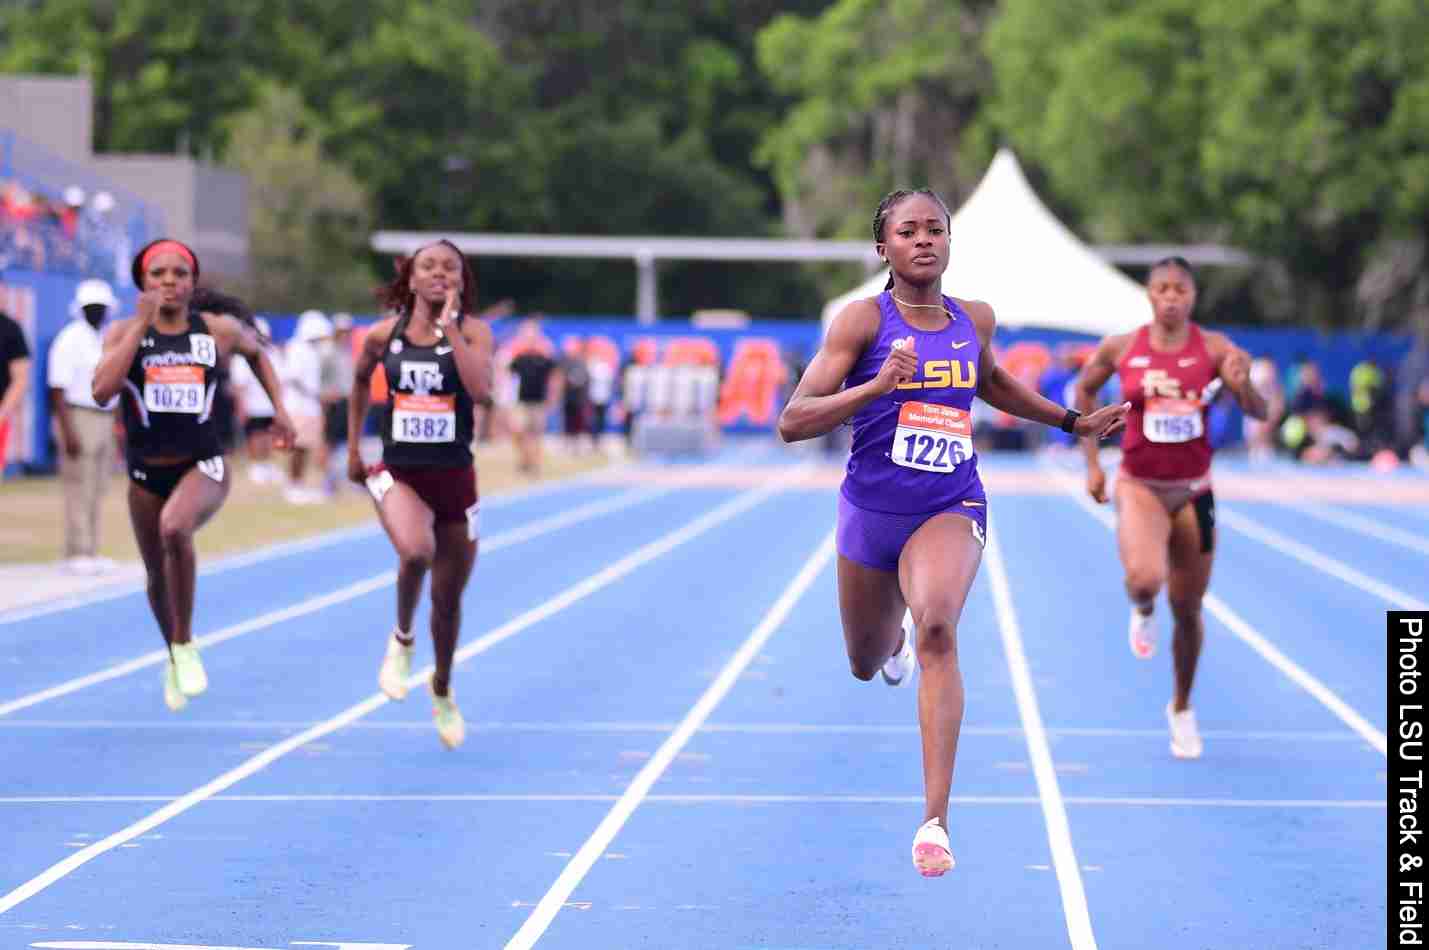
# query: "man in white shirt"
{"points": [[302, 387], [84, 430]]}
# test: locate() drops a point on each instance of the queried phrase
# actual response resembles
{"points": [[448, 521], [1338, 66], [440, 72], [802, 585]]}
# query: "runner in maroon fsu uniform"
{"points": [[436, 356], [1170, 372]]}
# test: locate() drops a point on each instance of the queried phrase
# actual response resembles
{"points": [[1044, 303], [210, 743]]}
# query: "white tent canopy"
{"points": [[1010, 251]]}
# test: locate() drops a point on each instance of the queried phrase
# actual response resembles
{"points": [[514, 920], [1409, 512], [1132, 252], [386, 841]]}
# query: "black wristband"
{"points": [[1069, 421]]}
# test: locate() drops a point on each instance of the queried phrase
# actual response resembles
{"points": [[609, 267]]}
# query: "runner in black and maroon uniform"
{"points": [[436, 356], [165, 363], [1170, 372]]}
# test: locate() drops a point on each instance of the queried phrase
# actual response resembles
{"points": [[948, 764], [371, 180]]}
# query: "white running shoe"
{"points": [[932, 855], [188, 669], [898, 669], [450, 726], [396, 668], [1185, 736], [173, 697], [1141, 634]]}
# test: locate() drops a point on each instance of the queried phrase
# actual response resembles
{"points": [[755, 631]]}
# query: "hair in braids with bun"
{"points": [[880, 217], [209, 300]]}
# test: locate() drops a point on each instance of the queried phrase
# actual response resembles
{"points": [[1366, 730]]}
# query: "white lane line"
{"points": [[1054, 812], [570, 595], [1362, 525], [625, 728], [676, 799], [1267, 650], [376, 582], [1321, 562], [287, 548], [639, 788]]}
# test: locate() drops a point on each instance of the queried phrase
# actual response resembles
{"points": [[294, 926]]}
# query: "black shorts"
{"points": [[161, 480], [335, 422], [257, 424]]}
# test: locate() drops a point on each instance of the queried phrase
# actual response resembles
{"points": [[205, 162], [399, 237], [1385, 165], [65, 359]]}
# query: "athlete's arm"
{"points": [[374, 344], [819, 404], [1094, 375], [1001, 390], [243, 340], [471, 349], [121, 342], [1233, 364]]}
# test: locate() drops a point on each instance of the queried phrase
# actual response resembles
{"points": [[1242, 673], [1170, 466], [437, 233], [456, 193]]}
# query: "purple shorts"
{"points": [[875, 538]]}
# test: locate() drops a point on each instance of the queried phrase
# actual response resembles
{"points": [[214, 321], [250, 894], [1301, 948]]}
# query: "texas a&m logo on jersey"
{"points": [[419, 377]]}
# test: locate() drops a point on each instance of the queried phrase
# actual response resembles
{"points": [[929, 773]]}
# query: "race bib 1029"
{"points": [[174, 389]]}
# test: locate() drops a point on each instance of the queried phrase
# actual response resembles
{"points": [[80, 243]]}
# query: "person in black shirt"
{"points": [[537, 385], [165, 362], [436, 356], [14, 379]]}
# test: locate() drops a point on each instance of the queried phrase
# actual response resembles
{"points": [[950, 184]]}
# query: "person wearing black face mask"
{"points": [[84, 429]]}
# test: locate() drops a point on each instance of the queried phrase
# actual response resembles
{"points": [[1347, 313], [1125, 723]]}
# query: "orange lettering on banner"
{"points": [[691, 351], [1026, 361], [751, 385], [602, 349]]}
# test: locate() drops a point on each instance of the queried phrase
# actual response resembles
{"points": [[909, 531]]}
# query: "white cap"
{"points": [[95, 291], [312, 325], [103, 201], [74, 196]]}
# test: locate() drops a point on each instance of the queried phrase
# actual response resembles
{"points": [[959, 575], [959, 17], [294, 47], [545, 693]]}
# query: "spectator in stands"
{"points": [[336, 383], [84, 429], [1058, 383], [1412, 403], [602, 369], [302, 386], [575, 392], [1371, 405], [255, 410], [537, 386], [14, 381]]}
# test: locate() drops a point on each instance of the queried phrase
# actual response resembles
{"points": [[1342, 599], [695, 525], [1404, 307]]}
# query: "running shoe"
{"points": [[396, 668], [931, 854], [1185, 737], [173, 697], [1141, 634], [188, 669], [898, 669], [450, 726]]}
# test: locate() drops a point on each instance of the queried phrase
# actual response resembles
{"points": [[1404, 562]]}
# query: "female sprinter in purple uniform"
{"points": [[903, 367]]}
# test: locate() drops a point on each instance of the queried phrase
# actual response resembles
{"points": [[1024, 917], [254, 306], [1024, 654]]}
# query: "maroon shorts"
{"points": [[449, 492]]}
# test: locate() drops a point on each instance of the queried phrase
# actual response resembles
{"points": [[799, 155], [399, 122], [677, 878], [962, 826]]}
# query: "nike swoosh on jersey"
{"points": [[972, 504], [1139, 361], [443, 350], [1188, 361]]}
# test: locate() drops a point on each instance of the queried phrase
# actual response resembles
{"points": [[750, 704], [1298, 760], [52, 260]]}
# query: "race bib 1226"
{"points": [[931, 437]]}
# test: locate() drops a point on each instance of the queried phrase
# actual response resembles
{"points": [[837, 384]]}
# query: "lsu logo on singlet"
{"points": [[420, 378], [945, 374]]}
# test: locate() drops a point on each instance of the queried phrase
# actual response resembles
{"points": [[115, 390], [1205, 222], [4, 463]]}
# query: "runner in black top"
{"points": [[165, 362], [438, 364]]}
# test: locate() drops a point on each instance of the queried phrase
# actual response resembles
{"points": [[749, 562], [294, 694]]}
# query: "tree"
{"points": [[883, 95], [308, 216]]}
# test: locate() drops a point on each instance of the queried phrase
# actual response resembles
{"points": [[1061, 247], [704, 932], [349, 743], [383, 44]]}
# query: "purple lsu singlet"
{"points": [[912, 448]]}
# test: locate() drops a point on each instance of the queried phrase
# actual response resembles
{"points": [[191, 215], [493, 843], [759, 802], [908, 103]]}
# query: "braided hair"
{"points": [[207, 299], [880, 216], [1175, 260]]}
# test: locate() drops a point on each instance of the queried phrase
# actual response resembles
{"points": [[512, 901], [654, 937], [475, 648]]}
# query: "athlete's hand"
{"points": [[282, 429], [356, 468], [900, 366], [1096, 484], [147, 307], [1235, 370], [1106, 421], [449, 308]]}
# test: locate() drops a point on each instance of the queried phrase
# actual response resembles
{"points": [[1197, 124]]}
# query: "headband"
{"points": [[155, 248]]}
